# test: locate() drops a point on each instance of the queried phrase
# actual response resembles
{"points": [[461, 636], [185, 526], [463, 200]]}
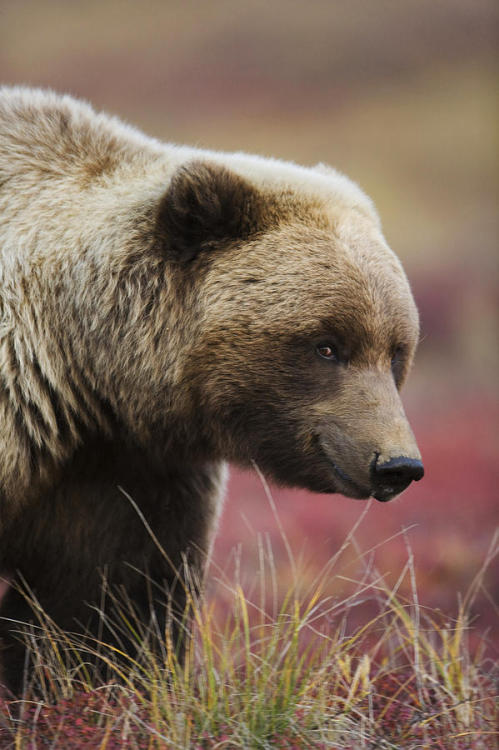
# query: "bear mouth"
{"points": [[345, 485], [350, 487], [361, 493], [387, 494]]}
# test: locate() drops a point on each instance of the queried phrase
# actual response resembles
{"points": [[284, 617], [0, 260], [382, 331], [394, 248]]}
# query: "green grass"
{"points": [[263, 673]]}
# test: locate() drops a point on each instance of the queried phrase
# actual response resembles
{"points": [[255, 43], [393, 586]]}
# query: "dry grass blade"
{"points": [[297, 676]]}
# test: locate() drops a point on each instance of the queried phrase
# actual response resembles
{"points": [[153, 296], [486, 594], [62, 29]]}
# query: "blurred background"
{"points": [[402, 97]]}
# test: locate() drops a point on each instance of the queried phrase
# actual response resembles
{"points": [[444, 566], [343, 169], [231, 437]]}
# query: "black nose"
{"points": [[393, 476]]}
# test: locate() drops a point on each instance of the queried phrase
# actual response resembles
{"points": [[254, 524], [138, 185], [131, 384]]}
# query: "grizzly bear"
{"points": [[164, 310]]}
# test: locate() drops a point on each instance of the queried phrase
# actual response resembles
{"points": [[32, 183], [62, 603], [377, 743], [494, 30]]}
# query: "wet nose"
{"points": [[391, 477]]}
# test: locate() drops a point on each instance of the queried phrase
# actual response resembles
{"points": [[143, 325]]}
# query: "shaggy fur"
{"points": [[163, 310]]}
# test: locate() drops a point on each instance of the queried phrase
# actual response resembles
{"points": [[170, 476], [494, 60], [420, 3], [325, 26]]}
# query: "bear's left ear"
{"points": [[206, 204]]}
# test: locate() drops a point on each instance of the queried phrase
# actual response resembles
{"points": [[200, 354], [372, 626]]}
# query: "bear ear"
{"points": [[204, 205]]}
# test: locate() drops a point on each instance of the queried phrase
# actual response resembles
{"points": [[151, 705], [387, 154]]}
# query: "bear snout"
{"points": [[369, 436], [361, 472]]}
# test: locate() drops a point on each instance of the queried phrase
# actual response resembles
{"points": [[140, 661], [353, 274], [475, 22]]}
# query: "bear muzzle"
{"points": [[363, 469], [367, 440], [386, 478]]}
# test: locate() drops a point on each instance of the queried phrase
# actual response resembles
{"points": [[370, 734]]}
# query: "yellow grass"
{"points": [[253, 679]]}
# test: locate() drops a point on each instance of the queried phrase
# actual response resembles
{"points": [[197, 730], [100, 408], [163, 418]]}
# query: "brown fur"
{"points": [[160, 312]]}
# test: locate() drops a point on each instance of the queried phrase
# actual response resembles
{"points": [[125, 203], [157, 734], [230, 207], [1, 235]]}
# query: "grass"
{"points": [[264, 673]]}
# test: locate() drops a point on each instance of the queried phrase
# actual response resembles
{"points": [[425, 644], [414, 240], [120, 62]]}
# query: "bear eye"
{"points": [[328, 351]]}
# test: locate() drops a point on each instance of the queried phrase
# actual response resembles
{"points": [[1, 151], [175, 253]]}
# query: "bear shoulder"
{"points": [[47, 132]]}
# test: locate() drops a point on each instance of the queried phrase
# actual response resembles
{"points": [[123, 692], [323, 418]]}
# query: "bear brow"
{"points": [[359, 333]]}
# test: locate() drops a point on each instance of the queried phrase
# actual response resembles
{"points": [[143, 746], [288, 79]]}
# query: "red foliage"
{"points": [[402, 711], [86, 720], [451, 516]]}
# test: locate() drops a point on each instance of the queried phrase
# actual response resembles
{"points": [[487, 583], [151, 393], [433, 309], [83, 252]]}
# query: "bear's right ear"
{"points": [[204, 205]]}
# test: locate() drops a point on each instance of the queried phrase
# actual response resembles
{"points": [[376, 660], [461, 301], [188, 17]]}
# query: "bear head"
{"points": [[302, 329]]}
